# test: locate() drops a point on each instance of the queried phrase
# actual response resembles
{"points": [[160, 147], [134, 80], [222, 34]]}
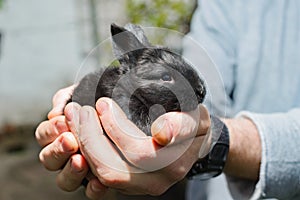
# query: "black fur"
{"points": [[149, 81]]}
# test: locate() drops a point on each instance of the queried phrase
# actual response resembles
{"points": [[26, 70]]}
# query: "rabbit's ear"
{"points": [[125, 44], [139, 33]]}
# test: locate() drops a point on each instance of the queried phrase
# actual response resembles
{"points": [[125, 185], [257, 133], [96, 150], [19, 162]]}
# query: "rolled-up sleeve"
{"points": [[280, 164]]}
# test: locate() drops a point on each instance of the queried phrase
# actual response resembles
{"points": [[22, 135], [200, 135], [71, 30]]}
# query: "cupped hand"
{"points": [[126, 159], [59, 147], [137, 164]]}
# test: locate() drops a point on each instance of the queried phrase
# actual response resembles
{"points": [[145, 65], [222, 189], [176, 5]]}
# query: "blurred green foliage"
{"points": [[171, 14]]}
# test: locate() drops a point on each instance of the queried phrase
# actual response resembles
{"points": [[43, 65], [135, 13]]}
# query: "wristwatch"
{"points": [[213, 163]]}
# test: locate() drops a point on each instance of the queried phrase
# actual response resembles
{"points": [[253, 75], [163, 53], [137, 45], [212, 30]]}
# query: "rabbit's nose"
{"points": [[155, 111]]}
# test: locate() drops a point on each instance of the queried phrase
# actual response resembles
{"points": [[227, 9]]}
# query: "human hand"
{"points": [[151, 164], [60, 147], [54, 134]]}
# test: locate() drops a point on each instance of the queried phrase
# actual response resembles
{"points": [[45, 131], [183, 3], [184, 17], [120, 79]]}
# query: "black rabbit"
{"points": [[149, 81]]}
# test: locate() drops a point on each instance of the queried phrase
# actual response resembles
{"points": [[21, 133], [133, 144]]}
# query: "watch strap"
{"points": [[213, 163]]}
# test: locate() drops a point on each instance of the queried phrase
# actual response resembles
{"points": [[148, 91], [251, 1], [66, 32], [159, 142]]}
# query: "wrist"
{"points": [[213, 163], [245, 149]]}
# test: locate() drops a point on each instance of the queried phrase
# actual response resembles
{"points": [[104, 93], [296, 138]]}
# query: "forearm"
{"points": [[244, 156], [276, 137]]}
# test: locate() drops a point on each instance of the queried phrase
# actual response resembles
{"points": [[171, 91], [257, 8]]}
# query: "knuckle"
{"points": [[56, 154], [177, 174], [56, 97], [51, 158], [68, 179], [59, 93], [110, 128], [111, 181], [38, 134], [142, 160], [61, 96], [41, 128], [45, 133], [44, 160], [64, 188], [42, 157], [66, 184]]}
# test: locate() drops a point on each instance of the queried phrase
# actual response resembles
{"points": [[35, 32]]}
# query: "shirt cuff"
{"points": [[280, 164]]}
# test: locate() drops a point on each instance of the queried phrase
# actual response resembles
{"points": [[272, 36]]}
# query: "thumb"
{"points": [[161, 130], [178, 126], [174, 127]]}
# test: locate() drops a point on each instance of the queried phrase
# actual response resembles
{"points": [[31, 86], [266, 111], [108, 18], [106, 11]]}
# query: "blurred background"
{"points": [[42, 45]]}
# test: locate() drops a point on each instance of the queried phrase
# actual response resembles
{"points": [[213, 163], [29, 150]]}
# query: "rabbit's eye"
{"points": [[166, 77]]}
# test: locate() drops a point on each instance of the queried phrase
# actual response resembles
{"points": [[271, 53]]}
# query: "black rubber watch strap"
{"points": [[213, 163]]}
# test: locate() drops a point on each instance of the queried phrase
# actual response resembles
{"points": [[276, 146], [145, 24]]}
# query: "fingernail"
{"points": [[102, 107], [158, 126], [84, 115], [73, 112], [161, 132], [67, 145], [74, 167]]}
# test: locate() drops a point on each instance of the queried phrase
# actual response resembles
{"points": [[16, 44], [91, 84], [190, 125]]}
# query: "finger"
{"points": [[104, 104], [71, 176], [125, 134], [174, 127], [72, 116], [178, 169], [109, 166], [84, 122], [95, 146], [139, 149], [49, 130], [56, 154], [95, 189], [60, 100]]}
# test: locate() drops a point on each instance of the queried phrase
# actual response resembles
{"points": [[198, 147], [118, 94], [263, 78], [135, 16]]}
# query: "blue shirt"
{"points": [[255, 46]]}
